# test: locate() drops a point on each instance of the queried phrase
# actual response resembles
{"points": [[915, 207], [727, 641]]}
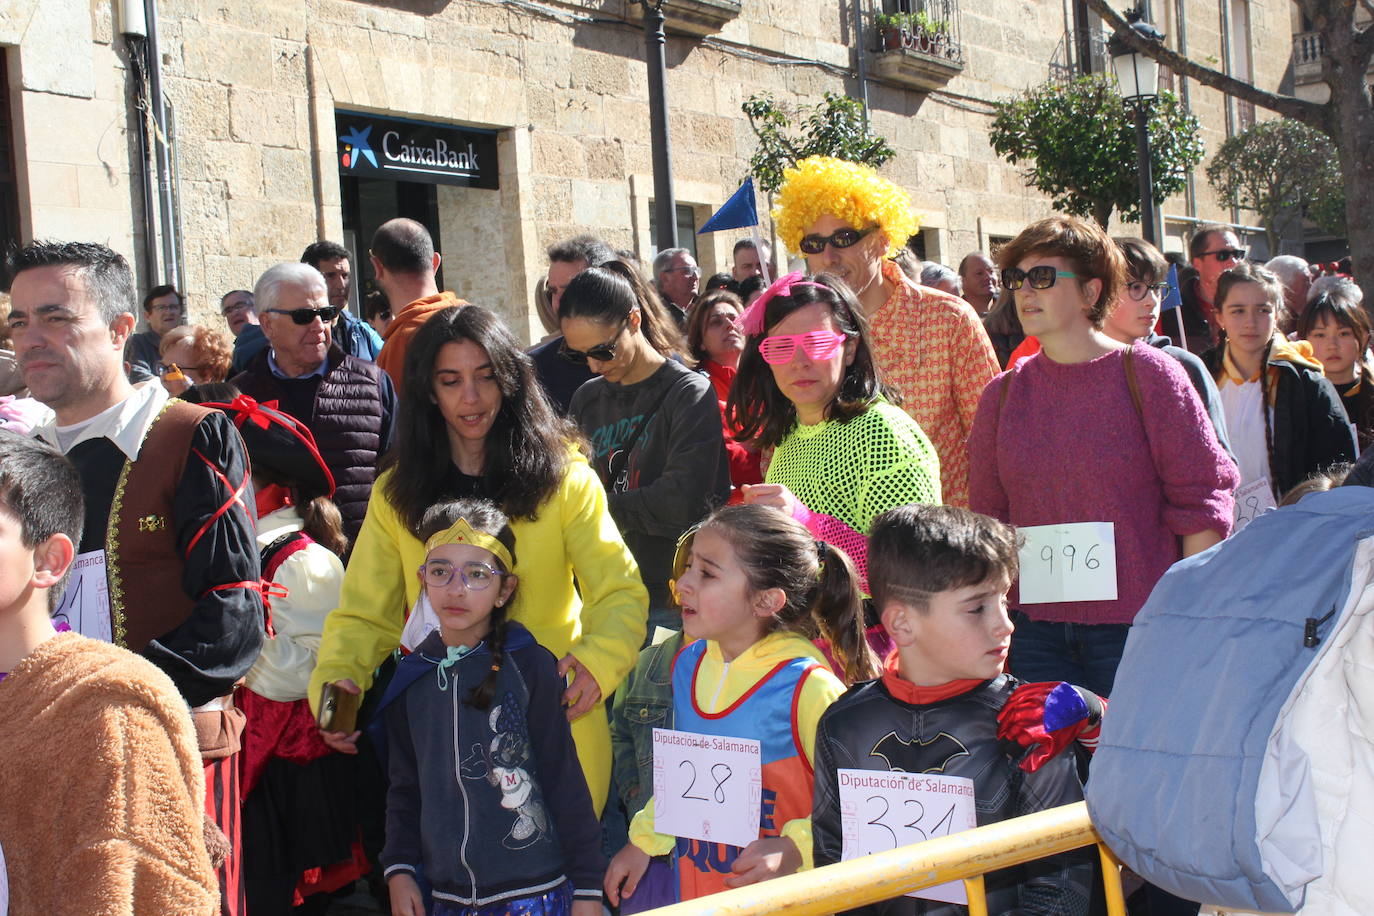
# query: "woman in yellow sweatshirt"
{"points": [[474, 423]]}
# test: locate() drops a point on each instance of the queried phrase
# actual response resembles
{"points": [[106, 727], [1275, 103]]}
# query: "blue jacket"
{"points": [[1194, 785], [492, 802], [356, 337]]}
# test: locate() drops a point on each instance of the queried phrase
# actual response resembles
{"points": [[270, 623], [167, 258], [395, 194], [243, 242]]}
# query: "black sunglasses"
{"points": [[305, 316], [840, 238], [1041, 277], [602, 352], [1225, 254]]}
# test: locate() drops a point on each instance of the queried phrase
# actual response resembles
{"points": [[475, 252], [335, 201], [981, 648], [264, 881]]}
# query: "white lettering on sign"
{"points": [[1253, 500], [707, 787], [880, 811], [397, 150], [85, 605], [1071, 562]]}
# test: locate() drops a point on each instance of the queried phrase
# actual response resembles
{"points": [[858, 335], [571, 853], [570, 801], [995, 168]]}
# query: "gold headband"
{"points": [[460, 532]]}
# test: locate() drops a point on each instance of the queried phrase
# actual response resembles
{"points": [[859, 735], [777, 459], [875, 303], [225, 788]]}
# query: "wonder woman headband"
{"points": [[460, 532]]}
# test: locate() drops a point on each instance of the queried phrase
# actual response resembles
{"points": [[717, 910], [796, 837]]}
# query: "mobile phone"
{"points": [[338, 709]]}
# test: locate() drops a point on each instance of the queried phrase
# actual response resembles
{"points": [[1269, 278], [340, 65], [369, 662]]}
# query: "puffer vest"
{"points": [[346, 421]]}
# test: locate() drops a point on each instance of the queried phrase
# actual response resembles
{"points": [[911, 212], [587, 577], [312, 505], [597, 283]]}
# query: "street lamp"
{"points": [[665, 204], [1138, 77]]}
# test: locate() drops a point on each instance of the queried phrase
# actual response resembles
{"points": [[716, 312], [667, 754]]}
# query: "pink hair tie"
{"points": [[751, 322]]}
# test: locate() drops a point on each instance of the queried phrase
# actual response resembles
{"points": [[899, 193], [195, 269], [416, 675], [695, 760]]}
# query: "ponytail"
{"points": [[838, 611], [610, 292], [323, 522], [821, 591]]}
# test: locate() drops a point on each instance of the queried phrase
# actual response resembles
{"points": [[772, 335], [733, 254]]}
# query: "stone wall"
{"points": [[255, 83]]}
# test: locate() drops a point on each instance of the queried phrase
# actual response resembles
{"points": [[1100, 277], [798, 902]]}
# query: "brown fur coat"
{"points": [[102, 794]]}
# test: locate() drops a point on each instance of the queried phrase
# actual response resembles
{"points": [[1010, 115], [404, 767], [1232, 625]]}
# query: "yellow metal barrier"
{"points": [[963, 856]]}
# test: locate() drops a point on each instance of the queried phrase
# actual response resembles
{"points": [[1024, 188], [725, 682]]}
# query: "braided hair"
{"points": [[483, 516]]}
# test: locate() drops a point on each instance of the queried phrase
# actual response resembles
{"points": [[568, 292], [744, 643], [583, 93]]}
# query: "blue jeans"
{"points": [[1085, 654]]}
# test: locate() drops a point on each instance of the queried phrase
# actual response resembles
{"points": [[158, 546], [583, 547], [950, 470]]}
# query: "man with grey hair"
{"points": [[347, 403], [1292, 271], [1336, 285], [678, 277], [568, 258], [168, 563], [937, 276]]}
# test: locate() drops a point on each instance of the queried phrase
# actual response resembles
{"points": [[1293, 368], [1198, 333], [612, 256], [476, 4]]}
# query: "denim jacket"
{"points": [[643, 702]]}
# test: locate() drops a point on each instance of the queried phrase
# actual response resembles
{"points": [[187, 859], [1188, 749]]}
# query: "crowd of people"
{"points": [[433, 600]]}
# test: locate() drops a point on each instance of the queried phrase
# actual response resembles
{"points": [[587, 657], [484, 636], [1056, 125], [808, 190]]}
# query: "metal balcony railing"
{"points": [[1079, 53], [930, 27]]}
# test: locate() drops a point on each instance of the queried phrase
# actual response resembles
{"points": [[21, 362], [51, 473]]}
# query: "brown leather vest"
{"points": [[143, 562]]}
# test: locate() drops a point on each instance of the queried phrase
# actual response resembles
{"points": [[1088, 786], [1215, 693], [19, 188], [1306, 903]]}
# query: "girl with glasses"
{"points": [[1089, 430], [653, 424], [1285, 419], [807, 387], [492, 803], [474, 423], [1135, 313]]}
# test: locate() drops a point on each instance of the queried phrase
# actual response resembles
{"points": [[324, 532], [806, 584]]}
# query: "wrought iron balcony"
{"points": [[918, 47]]}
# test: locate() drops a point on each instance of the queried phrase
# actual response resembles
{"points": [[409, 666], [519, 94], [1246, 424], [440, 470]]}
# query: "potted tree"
{"points": [[891, 27]]}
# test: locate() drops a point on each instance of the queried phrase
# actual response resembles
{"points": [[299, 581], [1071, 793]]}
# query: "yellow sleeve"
{"points": [[643, 836], [820, 689], [615, 603], [367, 624]]}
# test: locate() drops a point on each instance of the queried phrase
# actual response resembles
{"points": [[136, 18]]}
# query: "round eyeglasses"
{"points": [[476, 576]]}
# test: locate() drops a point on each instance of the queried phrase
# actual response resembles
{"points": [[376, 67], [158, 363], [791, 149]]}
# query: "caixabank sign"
{"points": [[371, 146]]}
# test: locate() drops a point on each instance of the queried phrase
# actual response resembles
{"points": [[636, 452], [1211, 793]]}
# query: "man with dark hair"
{"points": [[353, 335], [241, 314], [748, 261], [347, 403], [677, 278], [164, 309], [567, 259], [168, 557], [404, 262], [1213, 250]]}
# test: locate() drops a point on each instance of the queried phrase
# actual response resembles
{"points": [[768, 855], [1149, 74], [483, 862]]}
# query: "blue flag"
{"points": [[1173, 298], [738, 212]]}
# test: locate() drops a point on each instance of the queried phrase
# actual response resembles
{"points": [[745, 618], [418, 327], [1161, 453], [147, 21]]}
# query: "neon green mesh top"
{"points": [[853, 471]]}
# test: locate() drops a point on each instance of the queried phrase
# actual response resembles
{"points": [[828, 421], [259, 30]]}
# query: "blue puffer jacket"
{"points": [[1208, 780]]}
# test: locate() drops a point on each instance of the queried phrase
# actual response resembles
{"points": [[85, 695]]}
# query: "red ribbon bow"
{"points": [[249, 409]]}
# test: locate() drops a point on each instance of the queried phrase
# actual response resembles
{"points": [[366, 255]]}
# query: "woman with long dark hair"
{"points": [[716, 342], [653, 424], [808, 387], [474, 423]]}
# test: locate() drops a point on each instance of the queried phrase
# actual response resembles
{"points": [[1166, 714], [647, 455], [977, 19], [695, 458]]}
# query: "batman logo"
{"points": [[914, 756]]}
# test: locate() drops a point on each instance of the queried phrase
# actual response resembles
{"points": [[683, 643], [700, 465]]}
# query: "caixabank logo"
{"points": [[356, 146], [397, 149]]}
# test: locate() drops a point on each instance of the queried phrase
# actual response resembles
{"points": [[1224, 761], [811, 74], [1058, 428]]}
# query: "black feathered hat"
{"points": [[279, 445]]}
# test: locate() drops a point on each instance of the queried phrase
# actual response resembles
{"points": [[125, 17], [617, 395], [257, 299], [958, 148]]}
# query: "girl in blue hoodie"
{"points": [[493, 802]]}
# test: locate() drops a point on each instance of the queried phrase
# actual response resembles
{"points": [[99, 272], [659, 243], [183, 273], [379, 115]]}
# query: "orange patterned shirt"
{"points": [[933, 350]]}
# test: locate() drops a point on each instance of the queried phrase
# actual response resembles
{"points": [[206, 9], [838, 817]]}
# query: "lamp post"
{"points": [[1138, 76], [665, 206]]}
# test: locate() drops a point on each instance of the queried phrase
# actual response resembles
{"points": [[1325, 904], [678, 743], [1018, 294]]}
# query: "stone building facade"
{"points": [[256, 90]]}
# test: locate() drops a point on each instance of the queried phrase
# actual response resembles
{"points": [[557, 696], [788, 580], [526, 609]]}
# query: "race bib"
{"points": [[85, 605], [1071, 562], [880, 811], [707, 787], [1253, 500]]}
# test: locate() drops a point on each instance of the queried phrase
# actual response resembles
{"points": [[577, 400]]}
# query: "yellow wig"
{"points": [[846, 190]]}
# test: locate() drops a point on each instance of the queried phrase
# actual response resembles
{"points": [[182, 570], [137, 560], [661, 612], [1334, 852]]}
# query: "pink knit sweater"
{"points": [[1067, 445]]}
